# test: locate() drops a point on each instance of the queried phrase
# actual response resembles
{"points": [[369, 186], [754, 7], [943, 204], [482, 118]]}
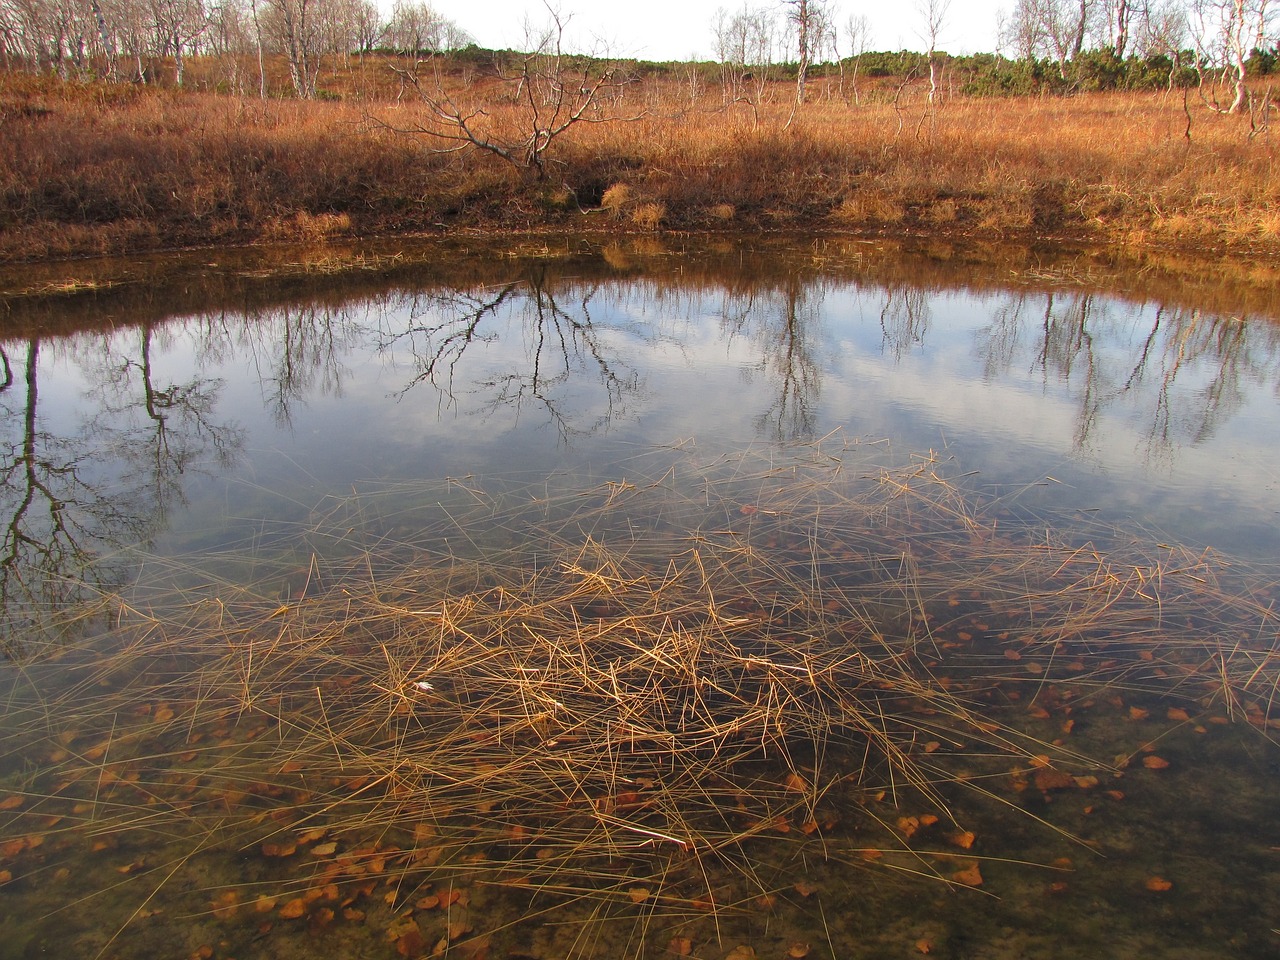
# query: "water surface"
{"points": [[215, 433]]}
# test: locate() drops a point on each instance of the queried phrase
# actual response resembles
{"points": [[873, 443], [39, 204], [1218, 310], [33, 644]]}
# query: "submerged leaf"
{"points": [[964, 839], [411, 944]]}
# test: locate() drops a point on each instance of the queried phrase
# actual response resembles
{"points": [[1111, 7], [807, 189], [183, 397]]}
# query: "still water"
{"points": [[784, 450]]}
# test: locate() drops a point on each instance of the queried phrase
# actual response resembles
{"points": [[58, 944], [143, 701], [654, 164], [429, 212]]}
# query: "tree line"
{"points": [[128, 39], [1040, 45]]}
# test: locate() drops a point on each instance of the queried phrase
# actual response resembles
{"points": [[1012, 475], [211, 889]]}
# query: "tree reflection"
{"points": [[70, 502], [555, 342], [783, 323], [1181, 370], [904, 319], [562, 348], [153, 429]]}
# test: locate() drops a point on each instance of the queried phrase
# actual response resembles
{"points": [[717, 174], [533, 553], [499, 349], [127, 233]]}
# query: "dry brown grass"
{"points": [[96, 169]]}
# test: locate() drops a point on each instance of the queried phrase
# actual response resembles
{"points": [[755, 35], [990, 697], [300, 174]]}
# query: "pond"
{"points": [[577, 598]]}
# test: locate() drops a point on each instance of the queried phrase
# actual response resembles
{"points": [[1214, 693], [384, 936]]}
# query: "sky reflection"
{"points": [[1160, 412]]}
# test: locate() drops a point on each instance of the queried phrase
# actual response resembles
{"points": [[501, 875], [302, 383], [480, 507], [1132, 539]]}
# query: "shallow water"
{"points": [[264, 445]]}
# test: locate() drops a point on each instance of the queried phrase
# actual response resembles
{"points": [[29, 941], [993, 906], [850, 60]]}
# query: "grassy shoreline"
{"points": [[88, 169]]}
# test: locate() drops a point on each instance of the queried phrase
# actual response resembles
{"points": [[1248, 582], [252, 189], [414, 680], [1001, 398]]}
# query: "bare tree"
{"points": [[550, 98], [178, 25], [1119, 17], [934, 13], [366, 25], [744, 45], [417, 29], [1056, 29], [859, 31], [1160, 28], [293, 25], [809, 18], [1022, 32], [1225, 33]]}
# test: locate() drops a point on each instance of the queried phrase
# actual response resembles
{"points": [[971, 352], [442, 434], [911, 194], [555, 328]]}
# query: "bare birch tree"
{"points": [[1225, 33], [934, 13], [744, 45], [858, 29], [808, 18]]}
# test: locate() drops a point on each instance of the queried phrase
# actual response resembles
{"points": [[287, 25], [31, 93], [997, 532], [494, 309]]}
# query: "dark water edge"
{"points": [[66, 296]]}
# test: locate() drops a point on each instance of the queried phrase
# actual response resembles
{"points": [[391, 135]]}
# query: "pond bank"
{"points": [[94, 170]]}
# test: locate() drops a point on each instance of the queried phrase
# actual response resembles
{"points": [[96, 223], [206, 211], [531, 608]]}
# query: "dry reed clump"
{"points": [[1001, 215], [722, 211], [869, 207], [680, 683], [649, 216], [616, 198], [308, 227], [941, 211]]}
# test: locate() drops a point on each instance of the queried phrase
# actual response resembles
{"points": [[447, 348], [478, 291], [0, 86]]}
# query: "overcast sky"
{"points": [[681, 29]]}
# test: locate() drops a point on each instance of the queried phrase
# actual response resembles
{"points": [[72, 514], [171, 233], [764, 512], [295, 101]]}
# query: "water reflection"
{"points": [[563, 350], [1183, 370], [77, 491], [781, 324], [449, 432], [424, 364]]}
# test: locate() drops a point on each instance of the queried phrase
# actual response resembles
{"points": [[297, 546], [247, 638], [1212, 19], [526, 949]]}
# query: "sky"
{"points": [[682, 29]]}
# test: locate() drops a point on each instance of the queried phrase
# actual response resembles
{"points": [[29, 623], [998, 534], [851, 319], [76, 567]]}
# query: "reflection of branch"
{"points": [[1224, 343], [793, 412], [998, 343], [1081, 344], [784, 327], [904, 319], [559, 342], [303, 347], [45, 558], [448, 339], [177, 428], [69, 502]]}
